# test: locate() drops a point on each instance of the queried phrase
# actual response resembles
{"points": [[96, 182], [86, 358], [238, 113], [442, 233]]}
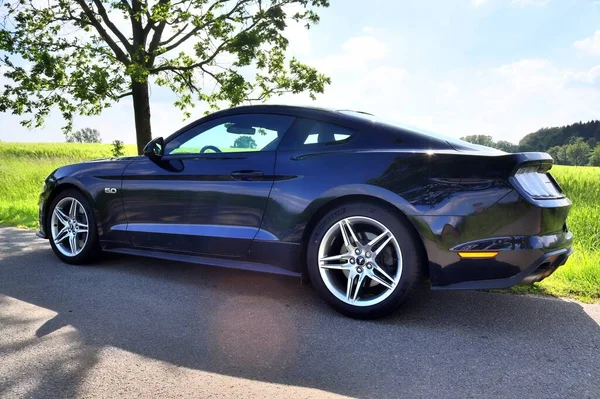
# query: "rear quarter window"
{"points": [[308, 133]]}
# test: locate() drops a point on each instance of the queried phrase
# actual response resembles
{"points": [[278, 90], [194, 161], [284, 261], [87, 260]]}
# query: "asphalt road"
{"points": [[132, 327]]}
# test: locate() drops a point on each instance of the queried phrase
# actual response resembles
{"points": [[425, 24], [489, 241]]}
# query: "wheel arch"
{"points": [[350, 198], [59, 188]]}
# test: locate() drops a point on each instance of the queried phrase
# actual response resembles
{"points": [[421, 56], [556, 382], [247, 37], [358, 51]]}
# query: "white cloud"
{"points": [[507, 101], [589, 77], [589, 45], [365, 48]]}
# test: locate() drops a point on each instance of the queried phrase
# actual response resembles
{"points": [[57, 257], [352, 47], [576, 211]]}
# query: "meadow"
{"points": [[23, 168]]}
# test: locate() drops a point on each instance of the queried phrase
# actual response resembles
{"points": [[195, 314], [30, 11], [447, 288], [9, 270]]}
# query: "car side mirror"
{"points": [[155, 149]]}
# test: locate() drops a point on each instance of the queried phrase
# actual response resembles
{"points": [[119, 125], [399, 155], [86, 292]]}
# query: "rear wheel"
{"points": [[72, 227], [363, 260]]}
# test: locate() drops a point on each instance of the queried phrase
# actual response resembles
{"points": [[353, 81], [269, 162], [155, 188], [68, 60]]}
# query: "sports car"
{"points": [[361, 207]]}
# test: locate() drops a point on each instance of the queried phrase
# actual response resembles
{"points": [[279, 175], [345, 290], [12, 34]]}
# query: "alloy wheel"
{"points": [[360, 261], [69, 226]]}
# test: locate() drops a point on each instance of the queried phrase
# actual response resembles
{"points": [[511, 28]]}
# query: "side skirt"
{"points": [[202, 260]]}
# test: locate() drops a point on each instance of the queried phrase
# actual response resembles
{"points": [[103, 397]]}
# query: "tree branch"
{"points": [[129, 93], [204, 25], [119, 53], [179, 32], [158, 31], [112, 26], [200, 64]]}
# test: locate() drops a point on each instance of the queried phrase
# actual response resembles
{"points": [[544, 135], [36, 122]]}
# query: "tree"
{"points": [[578, 152], [85, 135], [480, 139], [117, 148], [506, 146], [545, 138], [595, 157], [559, 153], [244, 142], [80, 56]]}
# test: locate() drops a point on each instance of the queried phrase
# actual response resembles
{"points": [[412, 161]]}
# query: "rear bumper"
{"points": [[541, 268]]}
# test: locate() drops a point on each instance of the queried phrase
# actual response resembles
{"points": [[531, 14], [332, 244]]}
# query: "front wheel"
{"points": [[363, 260], [72, 228]]}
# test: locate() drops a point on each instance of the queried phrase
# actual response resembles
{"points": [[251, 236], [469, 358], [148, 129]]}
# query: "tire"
{"points": [[87, 245], [397, 263]]}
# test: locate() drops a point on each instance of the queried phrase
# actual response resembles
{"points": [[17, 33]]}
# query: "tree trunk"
{"points": [[141, 111]]}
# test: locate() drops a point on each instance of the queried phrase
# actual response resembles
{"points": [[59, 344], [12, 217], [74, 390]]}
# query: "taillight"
{"points": [[537, 184]]}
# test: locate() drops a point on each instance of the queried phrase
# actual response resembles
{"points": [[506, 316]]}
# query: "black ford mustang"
{"points": [[361, 207]]}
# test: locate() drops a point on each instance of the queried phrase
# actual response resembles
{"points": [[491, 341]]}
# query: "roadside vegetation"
{"points": [[580, 277], [23, 168]]}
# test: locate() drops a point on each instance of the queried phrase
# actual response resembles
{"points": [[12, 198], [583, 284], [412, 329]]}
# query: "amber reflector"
{"points": [[489, 254]]}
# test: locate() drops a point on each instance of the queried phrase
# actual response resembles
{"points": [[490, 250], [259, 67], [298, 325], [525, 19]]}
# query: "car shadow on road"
{"points": [[274, 329]]}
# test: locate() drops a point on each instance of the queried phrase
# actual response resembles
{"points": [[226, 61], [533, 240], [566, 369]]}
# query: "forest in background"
{"points": [[577, 144]]}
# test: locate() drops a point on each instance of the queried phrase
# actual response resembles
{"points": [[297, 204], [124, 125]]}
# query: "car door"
{"points": [[207, 194]]}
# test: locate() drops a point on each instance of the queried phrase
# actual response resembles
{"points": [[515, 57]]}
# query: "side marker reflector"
{"points": [[472, 254]]}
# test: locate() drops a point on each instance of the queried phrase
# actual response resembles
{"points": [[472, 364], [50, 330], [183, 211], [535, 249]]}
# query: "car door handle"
{"points": [[246, 174]]}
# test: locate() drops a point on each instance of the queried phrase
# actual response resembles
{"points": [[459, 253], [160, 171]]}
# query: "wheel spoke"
{"points": [[384, 273], [82, 227], [356, 242], [344, 235], [336, 266], [378, 250], [379, 280], [61, 235], [335, 257], [378, 238], [341, 266], [73, 209], [73, 243], [60, 215], [350, 285], [361, 277]]}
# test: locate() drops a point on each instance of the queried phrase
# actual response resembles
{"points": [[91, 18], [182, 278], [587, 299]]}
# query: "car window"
{"points": [[235, 133], [310, 133]]}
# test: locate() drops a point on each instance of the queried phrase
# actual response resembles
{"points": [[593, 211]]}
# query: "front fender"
{"points": [[92, 179]]}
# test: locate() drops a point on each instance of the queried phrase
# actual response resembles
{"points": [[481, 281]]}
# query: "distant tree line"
{"points": [[85, 135], [576, 144]]}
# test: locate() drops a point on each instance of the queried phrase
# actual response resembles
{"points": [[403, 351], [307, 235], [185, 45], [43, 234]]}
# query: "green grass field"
{"points": [[580, 277], [23, 168]]}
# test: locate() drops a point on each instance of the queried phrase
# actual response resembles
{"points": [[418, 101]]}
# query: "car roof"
{"points": [[344, 117], [291, 109]]}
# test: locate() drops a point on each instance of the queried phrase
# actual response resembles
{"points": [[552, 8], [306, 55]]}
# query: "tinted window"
{"points": [[235, 133], [453, 141], [310, 133]]}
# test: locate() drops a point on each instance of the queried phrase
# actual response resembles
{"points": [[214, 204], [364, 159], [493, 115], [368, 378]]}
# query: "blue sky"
{"points": [[458, 67]]}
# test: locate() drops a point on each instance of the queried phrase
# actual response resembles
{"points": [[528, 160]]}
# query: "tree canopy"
{"points": [[244, 142], [80, 56], [576, 144], [548, 137], [85, 135]]}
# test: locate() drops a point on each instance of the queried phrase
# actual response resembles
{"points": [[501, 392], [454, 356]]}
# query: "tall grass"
{"points": [[23, 168], [73, 152], [580, 277]]}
